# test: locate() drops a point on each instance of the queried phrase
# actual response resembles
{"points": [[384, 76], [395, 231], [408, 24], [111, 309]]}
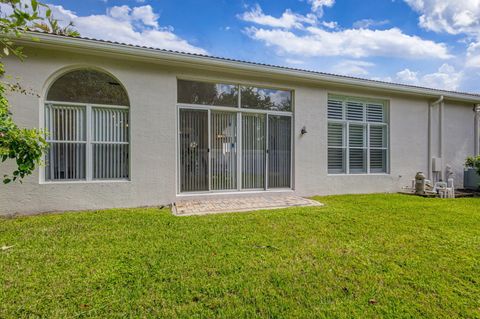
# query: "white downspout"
{"points": [[430, 134], [440, 138], [477, 129]]}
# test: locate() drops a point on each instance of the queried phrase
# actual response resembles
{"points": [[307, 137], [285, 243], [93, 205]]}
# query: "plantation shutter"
{"points": [[336, 160], [335, 109], [335, 134], [357, 139], [377, 136], [378, 149], [357, 135], [336, 148], [355, 111], [375, 113]]}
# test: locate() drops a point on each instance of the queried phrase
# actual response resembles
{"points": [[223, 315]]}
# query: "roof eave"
{"points": [[185, 58]]}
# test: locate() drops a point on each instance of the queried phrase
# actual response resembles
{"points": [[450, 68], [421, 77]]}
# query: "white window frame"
{"points": [[89, 143], [346, 131]]}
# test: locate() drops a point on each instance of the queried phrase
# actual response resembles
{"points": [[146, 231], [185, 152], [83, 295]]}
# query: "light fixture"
{"points": [[303, 131]]}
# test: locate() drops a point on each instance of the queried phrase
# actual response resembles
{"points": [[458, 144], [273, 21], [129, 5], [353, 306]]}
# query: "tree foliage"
{"points": [[23, 145]]}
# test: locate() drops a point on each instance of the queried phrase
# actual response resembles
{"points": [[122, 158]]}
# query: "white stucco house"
{"points": [[134, 126]]}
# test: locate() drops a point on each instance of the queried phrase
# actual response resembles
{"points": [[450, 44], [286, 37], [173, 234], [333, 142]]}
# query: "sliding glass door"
{"points": [[209, 156], [254, 150], [223, 161], [233, 137], [193, 140], [266, 151], [279, 151]]}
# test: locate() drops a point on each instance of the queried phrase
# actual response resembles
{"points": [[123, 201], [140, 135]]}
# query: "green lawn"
{"points": [[359, 256]]}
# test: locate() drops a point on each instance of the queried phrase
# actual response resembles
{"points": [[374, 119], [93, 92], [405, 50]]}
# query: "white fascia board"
{"points": [[247, 68]]}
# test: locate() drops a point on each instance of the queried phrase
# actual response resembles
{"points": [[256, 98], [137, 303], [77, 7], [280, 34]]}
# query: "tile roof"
{"points": [[339, 76]]}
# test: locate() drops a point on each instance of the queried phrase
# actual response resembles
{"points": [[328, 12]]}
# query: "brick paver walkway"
{"points": [[238, 204]]}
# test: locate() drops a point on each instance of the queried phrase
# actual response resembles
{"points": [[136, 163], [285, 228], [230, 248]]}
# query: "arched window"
{"points": [[87, 124]]}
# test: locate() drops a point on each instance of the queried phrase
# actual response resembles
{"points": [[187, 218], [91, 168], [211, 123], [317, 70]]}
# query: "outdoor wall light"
{"points": [[303, 131]]}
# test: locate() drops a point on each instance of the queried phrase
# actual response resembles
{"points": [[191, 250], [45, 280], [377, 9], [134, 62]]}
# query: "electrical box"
{"points": [[436, 164]]}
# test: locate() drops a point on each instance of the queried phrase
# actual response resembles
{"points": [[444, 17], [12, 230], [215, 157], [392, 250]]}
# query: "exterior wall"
{"points": [[459, 138], [152, 138], [408, 146], [152, 92]]}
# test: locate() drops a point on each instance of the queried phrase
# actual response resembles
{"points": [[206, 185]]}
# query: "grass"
{"points": [[359, 256]]}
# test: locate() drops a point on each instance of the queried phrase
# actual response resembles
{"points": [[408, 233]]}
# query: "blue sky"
{"points": [[431, 43]]}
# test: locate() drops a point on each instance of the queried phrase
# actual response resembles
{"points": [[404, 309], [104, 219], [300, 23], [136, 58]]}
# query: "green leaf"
{"points": [[34, 5]]}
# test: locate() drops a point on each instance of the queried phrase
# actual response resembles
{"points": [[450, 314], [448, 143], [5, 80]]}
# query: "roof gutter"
{"points": [[98, 46]]}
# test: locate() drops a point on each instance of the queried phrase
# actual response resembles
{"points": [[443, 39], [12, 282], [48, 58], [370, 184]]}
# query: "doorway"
{"points": [[233, 151]]}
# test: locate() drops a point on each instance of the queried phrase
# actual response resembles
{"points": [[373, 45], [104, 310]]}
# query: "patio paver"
{"points": [[186, 207]]}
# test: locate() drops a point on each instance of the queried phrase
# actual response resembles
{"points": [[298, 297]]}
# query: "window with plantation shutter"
{"points": [[87, 128], [357, 136]]}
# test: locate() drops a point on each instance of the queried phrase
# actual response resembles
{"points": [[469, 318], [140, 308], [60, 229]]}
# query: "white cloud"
{"points": [[296, 39], [445, 78], [456, 17], [473, 55], [121, 13], [451, 16], [356, 43], [317, 5], [300, 35], [407, 76], [367, 23], [137, 25], [133, 25], [146, 15], [288, 20], [330, 25], [353, 67]]}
